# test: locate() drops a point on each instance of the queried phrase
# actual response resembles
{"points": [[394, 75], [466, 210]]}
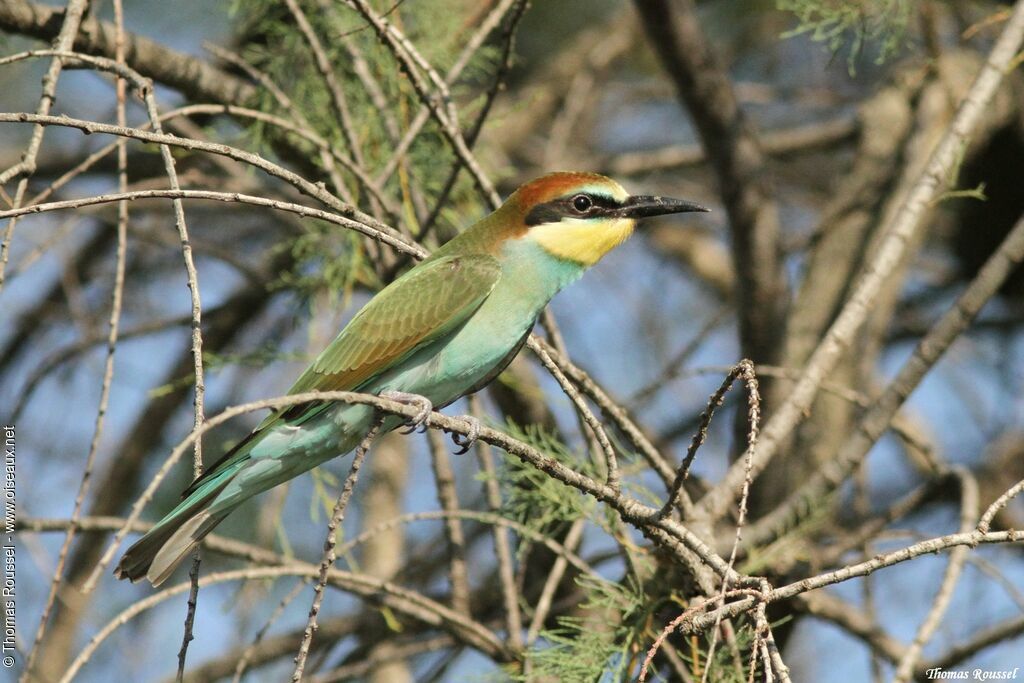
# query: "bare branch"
{"points": [[928, 351], [387, 236], [895, 237], [194, 77], [308, 188], [27, 166]]}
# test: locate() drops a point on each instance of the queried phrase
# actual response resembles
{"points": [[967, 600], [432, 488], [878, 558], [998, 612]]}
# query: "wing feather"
{"points": [[428, 302]]}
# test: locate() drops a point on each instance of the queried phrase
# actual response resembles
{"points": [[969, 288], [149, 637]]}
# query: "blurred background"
{"points": [[843, 100]]}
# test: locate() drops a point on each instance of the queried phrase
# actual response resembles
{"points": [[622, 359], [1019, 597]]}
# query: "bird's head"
{"points": [[583, 216]]}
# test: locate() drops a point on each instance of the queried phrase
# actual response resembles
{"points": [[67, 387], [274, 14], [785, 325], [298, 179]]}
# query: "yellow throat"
{"points": [[583, 241]]}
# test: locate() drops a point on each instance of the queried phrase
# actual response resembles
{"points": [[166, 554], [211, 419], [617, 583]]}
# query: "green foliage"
{"points": [[610, 639], [599, 645], [724, 667], [853, 24], [617, 620], [327, 260], [538, 501], [272, 42], [535, 499]]}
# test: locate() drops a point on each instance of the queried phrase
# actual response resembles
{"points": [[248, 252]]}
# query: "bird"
{"points": [[442, 330]]}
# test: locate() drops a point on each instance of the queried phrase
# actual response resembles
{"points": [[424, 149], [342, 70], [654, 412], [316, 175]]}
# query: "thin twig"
{"points": [[368, 587], [610, 461], [327, 561], [27, 166], [447, 497], [674, 537], [326, 70], [473, 45], [742, 369], [251, 553], [612, 410], [998, 504], [745, 370], [145, 89], [444, 112], [954, 568], [387, 236], [113, 324], [927, 547], [506, 573], [515, 9], [196, 78], [382, 654], [313, 190], [676, 366], [701, 605], [547, 594], [338, 100], [243, 661]]}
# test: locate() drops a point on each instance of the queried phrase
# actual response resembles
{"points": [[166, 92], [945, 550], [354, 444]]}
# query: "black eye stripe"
{"points": [[604, 201], [557, 209], [543, 213]]}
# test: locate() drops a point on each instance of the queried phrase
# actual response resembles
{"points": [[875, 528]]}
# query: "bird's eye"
{"points": [[582, 203]]}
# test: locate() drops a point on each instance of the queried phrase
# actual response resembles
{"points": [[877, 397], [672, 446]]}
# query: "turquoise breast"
{"points": [[451, 366]]}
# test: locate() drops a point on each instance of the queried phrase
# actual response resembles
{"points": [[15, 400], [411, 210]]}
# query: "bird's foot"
{"points": [[419, 420], [466, 441]]}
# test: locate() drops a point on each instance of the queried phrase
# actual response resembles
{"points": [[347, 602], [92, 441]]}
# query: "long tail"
{"points": [[157, 553], [255, 464]]}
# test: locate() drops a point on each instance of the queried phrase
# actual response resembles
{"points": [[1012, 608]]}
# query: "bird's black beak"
{"points": [[645, 206]]}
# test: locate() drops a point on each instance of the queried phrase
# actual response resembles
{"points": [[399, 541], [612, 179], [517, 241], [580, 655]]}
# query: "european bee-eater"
{"points": [[441, 331]]}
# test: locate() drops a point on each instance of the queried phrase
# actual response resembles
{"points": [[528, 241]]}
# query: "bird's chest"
{"points": [[497, 331], [474, 355]]}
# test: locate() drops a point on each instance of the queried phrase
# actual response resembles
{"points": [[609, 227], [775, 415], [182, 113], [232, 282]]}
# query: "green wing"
{"points": [[426, 303], [429, 301]]}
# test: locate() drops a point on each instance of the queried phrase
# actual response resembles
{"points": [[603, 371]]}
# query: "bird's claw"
{"points": [[419, 420], [466, 441]]}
